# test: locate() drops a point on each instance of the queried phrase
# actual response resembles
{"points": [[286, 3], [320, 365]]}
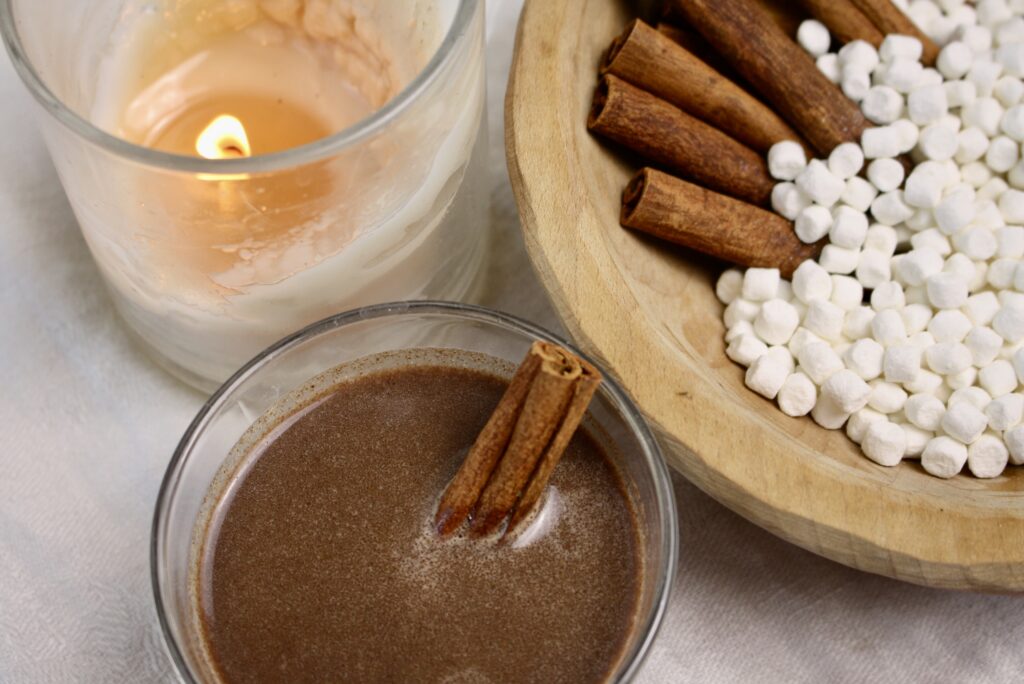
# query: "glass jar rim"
{"points": [[665, 497], [310, 152]]}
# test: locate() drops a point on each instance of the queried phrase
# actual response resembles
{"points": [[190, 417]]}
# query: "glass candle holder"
{"points": [[203, 462], [210, 260]]}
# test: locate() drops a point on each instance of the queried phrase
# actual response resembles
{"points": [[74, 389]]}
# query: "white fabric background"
{"points": [[87, 425]]}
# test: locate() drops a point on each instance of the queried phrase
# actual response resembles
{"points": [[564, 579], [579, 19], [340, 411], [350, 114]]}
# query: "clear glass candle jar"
{"points": [[211, 260], [205, 461]]}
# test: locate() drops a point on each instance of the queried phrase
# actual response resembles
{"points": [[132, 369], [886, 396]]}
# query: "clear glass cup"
{"points": [[211, 260], [201, 462]]}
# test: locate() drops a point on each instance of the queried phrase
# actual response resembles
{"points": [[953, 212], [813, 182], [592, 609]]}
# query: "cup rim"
{"points": [[664, 494], [317, 150]]}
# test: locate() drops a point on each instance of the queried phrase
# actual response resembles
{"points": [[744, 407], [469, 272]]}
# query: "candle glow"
{"points": [[224, 138]]}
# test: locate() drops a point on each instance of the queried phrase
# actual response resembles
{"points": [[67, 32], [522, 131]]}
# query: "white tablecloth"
{"points": [[87, 425]]}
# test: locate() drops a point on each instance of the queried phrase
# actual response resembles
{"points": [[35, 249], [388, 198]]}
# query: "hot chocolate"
{"points": [[320, 561]]}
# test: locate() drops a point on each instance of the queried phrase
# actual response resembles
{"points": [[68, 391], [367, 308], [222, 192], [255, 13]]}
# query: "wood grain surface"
{"points": [[648, 311]]}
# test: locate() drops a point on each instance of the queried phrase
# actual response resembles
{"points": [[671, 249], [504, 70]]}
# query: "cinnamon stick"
{"points": [[782, 72], [512, 459], [669, 137], [672, 209], [890, 19], [695, 44], [653, 62], [844, 20]]}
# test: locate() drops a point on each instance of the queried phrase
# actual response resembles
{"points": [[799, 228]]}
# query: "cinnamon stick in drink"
{"points": [[512, 459], [890, 19], [711, 223], [653, 62], [666, 136], [844, 21], [781, 71]]}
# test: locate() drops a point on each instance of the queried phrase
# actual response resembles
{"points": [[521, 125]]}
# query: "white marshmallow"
{"points": [[786, 159], [977, 244], [890, 208], [846, 160], [963, 422], [800, 338], [849, 228], [987, 457], [888, 295], [1010, 59], [1011, 206], [960, 93], [916, 317], [927, 105], [864, 357], [955, 210], [797, 395], [938, 142], [1009, 323], [984, 113], [947, 290], [819, 361], [886, 397], [949, 326], [998, 378], [981, 307], [847, 293], [1005, 412], [746, 349], [902, 364], [948, 358], [976, 173], [811, 282], [855, 82], [925, 411], [1012, 123], [918, 265], [886, 174], [788, 200], [741, 328], [984, 73], [1009, 91], [813, 37], [944, 457], [888, 329], [760, 284], [828, 64], [924, 382], [824, 319], [1003, 154], [917, 440], [740, 310], [826, 414], [835, 259], [1014, 439], [769, 371], [859, 422], [729, 285], [903, 74], [975, 396], [819, 184], [813, 223], [963, 379], [899, 47], [882, 105], [880, 238], [978, 38], [972, 143], [857, 324], [859, 53], [880, 142], [955, 60], [776, 321], [884, 443], [1001, 273], [907, 134], [859, 194], [984, 344], [1011, 242], [846, 390]]}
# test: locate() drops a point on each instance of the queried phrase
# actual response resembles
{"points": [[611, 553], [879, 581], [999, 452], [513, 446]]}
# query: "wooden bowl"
{"points": [[648, 310]]}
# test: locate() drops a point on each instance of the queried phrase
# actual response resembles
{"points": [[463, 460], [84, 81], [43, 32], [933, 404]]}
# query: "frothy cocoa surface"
{"points": [[320, 564]]}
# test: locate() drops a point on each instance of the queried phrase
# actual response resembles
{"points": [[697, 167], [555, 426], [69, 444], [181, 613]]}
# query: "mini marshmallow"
{"points": [[800, 338], [1011, 242], [984, 73], [880, 142], [813, 223], [819, 361], [1014, 439], [955, 210], [828, 64], [864, 357], [814, 38], [998, 378], [859, 422], [1003, 153], [925, 411], [826, 414], [960, 93], [1012, 123], [1005, 412], [859, 194], [944, 457], [993, 12], [884, 443], [1018, 277], [741, 328], [981, 308], [788, 200], [918, 265], [846, 160], [976, 173], [896, 47], [927, 105], [924, 382], [916, 295], [740, 310], [729, 285], [880, 238], [977, 38], [886, 174], [859, 53], [990, 191], [984, 344], [955, 60], [985, 113], [1016, 175], [846, 390], [786, 159], [903, 74], [1001, 273], [916, 317], [902, 363], [907, 134], [849, 228], [776, 321], [1009, 323], [857, 324], [963, 379], [938, 142], [811, 282], [847, 293], [819, 184], [888, 295], [890, 208], [949, 326], [987, 457], [746, 349], [797, 395], [962, 421], [769, 371], [1009, 91], [855, 82], [917, 440], [946, 290], [1011, 206], [977, 244], [888, 329], [947, 358], [760, 284], [824, 319], [882, 105], [835, 259], [972, 143], [1010, 59], [886, 397], [923, 339], [988, 215], [872, 268]]}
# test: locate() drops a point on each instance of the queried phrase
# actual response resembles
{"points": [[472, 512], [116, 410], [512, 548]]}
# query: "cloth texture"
{"points": [[88, 423]]}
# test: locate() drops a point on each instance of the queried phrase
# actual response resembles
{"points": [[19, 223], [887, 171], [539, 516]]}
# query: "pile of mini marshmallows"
{"points": [[930, 364]]}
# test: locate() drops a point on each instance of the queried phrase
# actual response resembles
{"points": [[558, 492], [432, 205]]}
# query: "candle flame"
{"points": [[224, 138]]}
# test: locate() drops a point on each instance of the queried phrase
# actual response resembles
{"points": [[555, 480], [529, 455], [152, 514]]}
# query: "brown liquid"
{"points": [[321, 565]]}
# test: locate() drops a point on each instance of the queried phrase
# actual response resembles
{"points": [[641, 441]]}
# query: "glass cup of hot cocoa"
{"points": [[385, 496]]}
